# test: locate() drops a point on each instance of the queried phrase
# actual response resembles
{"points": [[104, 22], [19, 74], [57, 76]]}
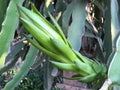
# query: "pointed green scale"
{"points": [[83, 58], [64, 49], [36, 33], [49, 53], [54, 21], [59, 29], [40, 21], [64, 66], [83, 67], [83, 78], [89, 78]]}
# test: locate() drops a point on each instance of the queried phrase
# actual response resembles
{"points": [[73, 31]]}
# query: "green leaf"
{"points": [[66, 17], [3, 7], [29, 60], [12, 57], [77, 28], [47, 78], [8, 29], [114, 70], [115, 21], [107, 27], [16, 49]]}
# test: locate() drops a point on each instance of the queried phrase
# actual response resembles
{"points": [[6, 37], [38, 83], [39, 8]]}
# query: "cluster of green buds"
{"points": [[50, 39]]}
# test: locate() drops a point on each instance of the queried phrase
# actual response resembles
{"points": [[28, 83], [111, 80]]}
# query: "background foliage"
{"points": [[91, 26]]}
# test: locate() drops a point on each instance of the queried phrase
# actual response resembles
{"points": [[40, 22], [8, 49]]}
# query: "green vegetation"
{"points": [[79, 36]]}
